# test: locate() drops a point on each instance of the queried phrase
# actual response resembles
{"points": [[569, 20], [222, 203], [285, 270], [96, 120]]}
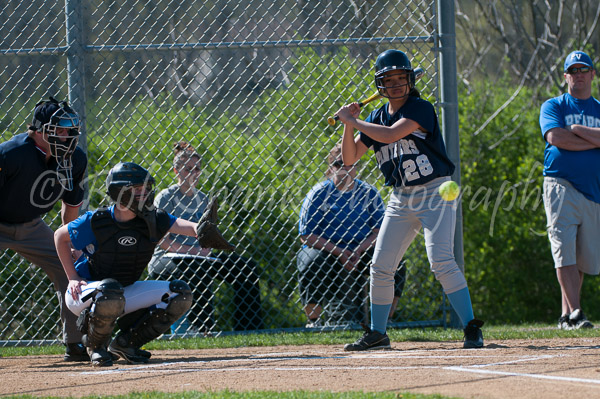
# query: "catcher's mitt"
{"points": [[207, 231]]}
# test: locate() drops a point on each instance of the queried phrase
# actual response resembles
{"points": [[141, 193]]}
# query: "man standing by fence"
{"points": [[570, 125]]}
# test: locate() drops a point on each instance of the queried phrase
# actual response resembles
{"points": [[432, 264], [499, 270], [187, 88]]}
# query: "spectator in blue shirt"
{"points": [[570, 125], [339, 222]]}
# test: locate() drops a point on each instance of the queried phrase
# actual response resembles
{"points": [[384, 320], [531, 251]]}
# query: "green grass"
{"points": [[530, 332]]}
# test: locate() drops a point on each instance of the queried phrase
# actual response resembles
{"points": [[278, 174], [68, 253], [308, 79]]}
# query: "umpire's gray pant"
{"points": [[35, 242]]}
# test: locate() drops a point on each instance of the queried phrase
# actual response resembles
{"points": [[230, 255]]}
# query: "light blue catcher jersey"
{"points": [[417, 158], [580, 168]]}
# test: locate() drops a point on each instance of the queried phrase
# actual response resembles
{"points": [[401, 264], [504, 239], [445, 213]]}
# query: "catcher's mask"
{"points": [[131, 186], [60, 126], [393, 60]]}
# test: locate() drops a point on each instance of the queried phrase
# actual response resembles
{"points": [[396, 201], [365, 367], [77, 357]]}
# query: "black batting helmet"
{"points": [[391, 60]]}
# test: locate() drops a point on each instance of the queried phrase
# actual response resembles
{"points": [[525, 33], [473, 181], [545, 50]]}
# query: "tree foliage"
{"points": [[510, 60]]}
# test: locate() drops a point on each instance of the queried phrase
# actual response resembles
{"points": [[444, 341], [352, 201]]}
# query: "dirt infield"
{"points": [[556, 368]]}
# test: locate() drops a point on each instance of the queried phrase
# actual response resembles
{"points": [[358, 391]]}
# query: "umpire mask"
{"points": [[60, 126]]}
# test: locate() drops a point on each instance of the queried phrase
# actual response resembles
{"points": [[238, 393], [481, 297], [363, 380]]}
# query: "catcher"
{"points": [[117, 243]]}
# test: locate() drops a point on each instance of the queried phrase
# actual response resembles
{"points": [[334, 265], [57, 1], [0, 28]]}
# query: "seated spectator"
{"points": [[339, 222], [179, 257]]}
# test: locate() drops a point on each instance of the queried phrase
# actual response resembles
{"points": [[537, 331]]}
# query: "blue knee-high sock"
{"points": [[461, 302], [379, 317]]}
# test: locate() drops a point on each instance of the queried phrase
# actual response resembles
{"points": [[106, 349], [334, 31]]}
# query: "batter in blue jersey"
{"points": [[416, 158], [405, 136]]}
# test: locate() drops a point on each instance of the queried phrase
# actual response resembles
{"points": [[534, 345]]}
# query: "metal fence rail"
{"points": [[249, 85]]}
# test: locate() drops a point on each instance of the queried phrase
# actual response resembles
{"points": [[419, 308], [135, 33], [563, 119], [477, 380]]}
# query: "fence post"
{"points": [[449, 107], [76, 71]]}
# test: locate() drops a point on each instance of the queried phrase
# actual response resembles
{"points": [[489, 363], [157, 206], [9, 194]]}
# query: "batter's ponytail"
{"points": [[414, 93]]}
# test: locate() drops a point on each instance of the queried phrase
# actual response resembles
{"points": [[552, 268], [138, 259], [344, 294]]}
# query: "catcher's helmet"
{"points": [[122, 179], [60, 126], [391, 60]]}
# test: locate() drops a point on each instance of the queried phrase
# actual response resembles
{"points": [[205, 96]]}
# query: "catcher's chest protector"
{"points": [[124, 249]]}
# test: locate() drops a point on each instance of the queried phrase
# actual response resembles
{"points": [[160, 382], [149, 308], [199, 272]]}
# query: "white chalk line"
{"points": [[260, 368], [477, 368], [522, 359], [511, 374], [264, 358], [167, 364]]}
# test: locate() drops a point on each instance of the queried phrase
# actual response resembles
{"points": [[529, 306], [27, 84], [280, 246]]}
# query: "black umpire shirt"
{"points": [[29, 187]]}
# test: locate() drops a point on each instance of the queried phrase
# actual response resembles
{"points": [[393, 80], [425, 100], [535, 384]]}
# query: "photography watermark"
{"points": [[46, 190], [510, 196], [285, 198]]}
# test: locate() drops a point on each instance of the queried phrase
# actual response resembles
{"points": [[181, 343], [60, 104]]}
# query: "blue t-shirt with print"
{"points": [[344, 217], [580, 168]]}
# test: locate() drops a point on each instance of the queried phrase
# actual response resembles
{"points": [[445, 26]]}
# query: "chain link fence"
{"points": [[249, 85]]}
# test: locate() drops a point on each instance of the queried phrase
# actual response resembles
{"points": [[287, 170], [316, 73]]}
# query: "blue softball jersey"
{"points": [[417, 158]]}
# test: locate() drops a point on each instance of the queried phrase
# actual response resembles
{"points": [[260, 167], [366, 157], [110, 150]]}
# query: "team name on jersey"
{"points": [[395, 150], [579, 119]]}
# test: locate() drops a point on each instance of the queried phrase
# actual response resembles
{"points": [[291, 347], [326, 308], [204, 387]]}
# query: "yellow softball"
{"points": [[449, 190]]}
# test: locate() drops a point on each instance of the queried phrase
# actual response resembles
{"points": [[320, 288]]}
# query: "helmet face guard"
{"points": [[383, 89], [61, 132], [127, 197], [393, 60]]}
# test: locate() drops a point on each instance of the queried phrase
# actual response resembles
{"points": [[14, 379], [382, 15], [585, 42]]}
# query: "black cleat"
{"points": [[371, 340], [578, 320], [473, 335], [100, 357], [563, 322], [76, 352], [130, 354]]}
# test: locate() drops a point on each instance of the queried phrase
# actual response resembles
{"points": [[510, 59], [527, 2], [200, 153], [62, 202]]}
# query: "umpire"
{"points": [[37, 169]]}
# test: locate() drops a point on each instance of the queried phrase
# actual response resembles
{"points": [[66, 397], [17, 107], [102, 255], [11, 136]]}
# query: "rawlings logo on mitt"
{"points": [[207, 231]]}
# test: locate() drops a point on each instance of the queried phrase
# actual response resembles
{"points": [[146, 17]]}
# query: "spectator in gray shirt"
{"points": [[179, 257]]}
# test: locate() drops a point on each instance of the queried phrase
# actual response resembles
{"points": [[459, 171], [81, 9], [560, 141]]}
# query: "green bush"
{"points": [[508, 260]]}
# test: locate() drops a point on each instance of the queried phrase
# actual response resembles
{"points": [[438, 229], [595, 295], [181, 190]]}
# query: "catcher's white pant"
{"points": [[410, 209], [139, 295]]}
